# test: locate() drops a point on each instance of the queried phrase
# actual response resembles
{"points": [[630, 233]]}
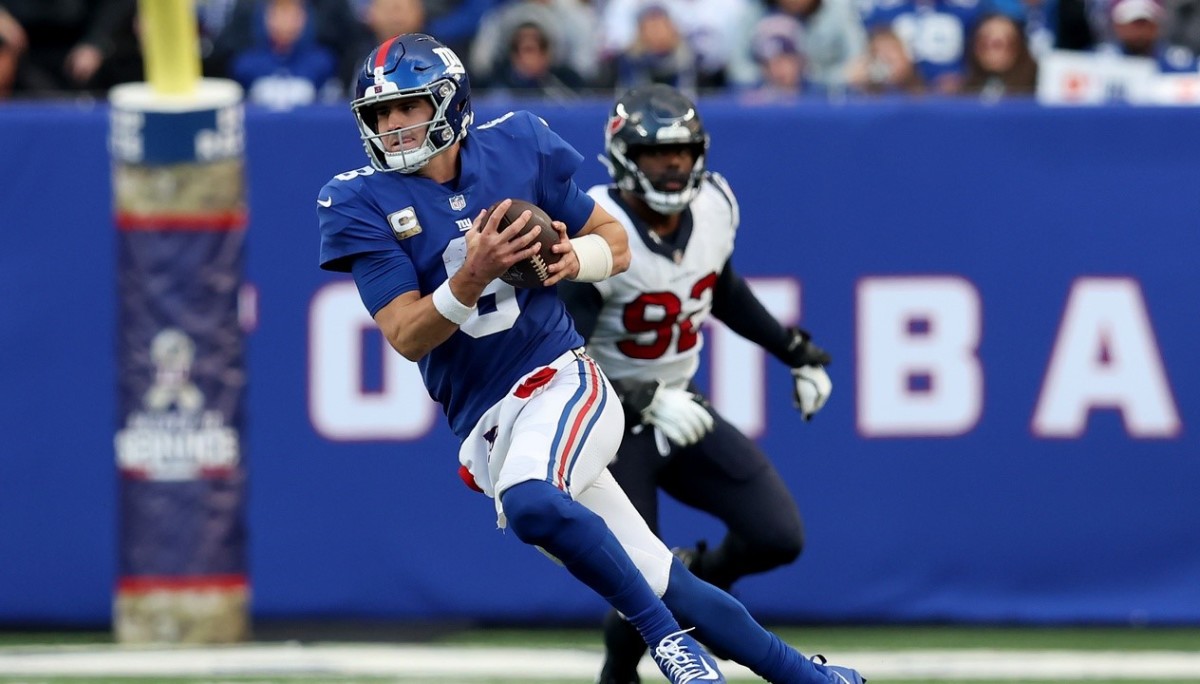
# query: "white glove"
{"points": [[679, 415], [813, 387]]}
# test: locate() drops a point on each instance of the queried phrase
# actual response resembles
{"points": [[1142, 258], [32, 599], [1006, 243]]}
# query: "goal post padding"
{"points": [[179, 201]]}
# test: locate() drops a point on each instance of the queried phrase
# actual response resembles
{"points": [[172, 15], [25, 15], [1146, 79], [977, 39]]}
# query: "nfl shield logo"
{"points": [[458, 202]]}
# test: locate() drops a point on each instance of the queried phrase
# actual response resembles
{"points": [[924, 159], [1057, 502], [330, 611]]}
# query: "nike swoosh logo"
{"points": [[327, 202], [710, 674]]}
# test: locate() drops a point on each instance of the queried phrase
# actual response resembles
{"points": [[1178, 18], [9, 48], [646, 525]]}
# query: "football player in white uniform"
{"points": [[644, 328]]}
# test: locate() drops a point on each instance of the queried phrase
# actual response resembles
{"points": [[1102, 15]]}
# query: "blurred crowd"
{"points": [[294, 52]]}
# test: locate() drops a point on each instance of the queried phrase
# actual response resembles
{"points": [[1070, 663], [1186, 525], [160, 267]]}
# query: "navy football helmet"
{"points": [[649, 116], [412, 65]]}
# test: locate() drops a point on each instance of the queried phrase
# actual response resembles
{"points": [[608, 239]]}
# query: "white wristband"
{"points": [[448, 305], [595, 258]]}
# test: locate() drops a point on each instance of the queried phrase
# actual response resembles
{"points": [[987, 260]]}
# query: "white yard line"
{"points": [[433, 663]]}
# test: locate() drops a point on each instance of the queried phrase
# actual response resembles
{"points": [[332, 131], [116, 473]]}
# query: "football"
{"points": [[530, 272]]}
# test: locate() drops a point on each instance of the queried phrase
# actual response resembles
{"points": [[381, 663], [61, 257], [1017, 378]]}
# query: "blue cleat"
{"points": [[838, 674], [683, 660]]}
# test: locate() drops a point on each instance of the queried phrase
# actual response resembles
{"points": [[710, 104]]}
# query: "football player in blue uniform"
{"points": [[643, 327], [534, 414]]}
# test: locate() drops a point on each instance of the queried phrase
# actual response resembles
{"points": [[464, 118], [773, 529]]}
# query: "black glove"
{"points": [[680, 415], [812, 384], [802, 352]]}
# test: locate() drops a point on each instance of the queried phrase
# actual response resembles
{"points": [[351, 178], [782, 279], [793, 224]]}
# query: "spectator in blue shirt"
{"points": [[778, 52], [285, 66], [935, 33], [659, 54], [531, 70]]}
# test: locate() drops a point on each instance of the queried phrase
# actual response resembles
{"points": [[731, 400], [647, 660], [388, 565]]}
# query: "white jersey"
{"points": [[650, 325]]}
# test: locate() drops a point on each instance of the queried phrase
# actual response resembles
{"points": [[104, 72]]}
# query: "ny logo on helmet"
{"points": [[451, 60]]}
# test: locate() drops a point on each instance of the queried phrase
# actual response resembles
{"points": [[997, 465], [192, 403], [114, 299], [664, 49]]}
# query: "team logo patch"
{"points": [[172, 351], [458, 202], [404, 223], [616, 123], [173, 436]]}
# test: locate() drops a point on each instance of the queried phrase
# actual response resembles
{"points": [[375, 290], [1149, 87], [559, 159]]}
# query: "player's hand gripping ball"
{"points": [[531, 272]]}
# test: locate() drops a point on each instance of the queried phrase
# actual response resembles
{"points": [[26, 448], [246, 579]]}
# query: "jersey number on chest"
{"points": [[661, 314], [498, 307]]}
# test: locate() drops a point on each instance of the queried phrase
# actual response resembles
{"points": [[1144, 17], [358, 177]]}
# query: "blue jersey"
{"points": [[937, 33], [419, 225]]}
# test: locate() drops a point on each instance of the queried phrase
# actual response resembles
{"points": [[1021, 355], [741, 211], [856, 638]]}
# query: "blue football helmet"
{"points": [[649, 116], [412, 65]]}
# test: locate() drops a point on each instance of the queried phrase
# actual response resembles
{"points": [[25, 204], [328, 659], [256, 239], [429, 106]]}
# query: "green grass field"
{"points": [[944, 654]]}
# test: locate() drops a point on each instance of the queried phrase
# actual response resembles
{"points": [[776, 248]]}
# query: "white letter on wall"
{"points": [[739, 366], [1106, 356], [337, 405], [918, 369]]}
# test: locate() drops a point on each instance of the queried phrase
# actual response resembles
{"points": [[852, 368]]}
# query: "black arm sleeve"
{"points": [[735, 305], [583, 303]]}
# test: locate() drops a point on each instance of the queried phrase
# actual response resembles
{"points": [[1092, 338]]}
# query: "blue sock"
{"points": [[724, 625], [541, 515]]}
